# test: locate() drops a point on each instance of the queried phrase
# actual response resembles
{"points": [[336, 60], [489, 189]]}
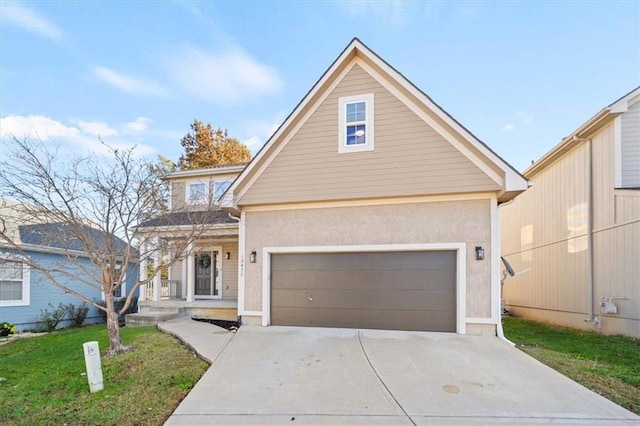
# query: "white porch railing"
{"points": [[168, 290]]}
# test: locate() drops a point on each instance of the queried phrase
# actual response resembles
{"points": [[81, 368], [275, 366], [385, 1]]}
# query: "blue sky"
{"points": [[519, 75]]}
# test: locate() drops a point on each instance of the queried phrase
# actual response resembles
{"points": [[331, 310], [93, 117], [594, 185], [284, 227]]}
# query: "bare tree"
{"points": [[90, 209]]}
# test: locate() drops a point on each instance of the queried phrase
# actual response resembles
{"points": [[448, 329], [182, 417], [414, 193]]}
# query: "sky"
{"points": [[520, 75]]}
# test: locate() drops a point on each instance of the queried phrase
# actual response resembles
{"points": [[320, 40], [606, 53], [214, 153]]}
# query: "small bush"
{"points": [[50, 320], [77, 314], [118, 304], [6, 328]]}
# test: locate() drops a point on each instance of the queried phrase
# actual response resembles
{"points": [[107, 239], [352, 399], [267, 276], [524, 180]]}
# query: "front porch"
{"points": [[203, 283]]}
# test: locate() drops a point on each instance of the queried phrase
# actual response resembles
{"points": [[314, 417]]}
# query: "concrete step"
{"points": [[150, 318]]}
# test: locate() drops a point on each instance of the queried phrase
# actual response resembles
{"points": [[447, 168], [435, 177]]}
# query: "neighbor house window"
{"points": [[14, 283], [122, 290], [204, 193], [219, 188], [356, 123], [197, 193]]}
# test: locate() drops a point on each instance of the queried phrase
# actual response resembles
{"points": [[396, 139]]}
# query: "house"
{"points": [[25, 292], [369, 207], [577, 230]]}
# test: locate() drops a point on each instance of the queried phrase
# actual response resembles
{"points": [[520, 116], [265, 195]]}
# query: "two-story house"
{"points": [[369, 207], [577, 230]]}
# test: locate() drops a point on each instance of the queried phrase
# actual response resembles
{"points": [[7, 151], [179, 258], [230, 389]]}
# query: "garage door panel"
{"points": [[368, 318], [386, 290], [356, 299], [364, 260], [439, 279]]}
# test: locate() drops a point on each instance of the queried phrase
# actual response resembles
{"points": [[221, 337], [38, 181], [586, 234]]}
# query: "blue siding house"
{"points": [[25, 292]]}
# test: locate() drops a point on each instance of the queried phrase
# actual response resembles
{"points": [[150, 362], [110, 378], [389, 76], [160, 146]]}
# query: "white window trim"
{"points": [[187, 192], [210, 185], [26, 288], [123, 287], [369, 123]]}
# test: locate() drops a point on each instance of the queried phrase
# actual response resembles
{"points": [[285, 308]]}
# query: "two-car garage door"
{"points": [[401, 290]]}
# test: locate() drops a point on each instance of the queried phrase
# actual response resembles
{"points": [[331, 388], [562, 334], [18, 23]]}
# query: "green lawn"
{"points": [[608, 365], [44, 382]]}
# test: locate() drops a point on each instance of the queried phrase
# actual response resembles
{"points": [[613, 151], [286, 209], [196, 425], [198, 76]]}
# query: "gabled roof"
{"points": [[498, 169], [583, 132]]}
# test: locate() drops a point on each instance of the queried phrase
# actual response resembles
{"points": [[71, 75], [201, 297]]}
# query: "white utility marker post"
{"points": [[94, 366]]}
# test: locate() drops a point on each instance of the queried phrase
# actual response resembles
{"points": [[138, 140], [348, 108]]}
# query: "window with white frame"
{"points": [[14, 283], [356, 131], [203, 193], [197, 192], [122, 290], [219, 188]]}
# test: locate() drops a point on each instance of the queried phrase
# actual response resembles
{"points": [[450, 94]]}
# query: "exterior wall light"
{"points": [[479, 253], [252, 257], [227, 255]]}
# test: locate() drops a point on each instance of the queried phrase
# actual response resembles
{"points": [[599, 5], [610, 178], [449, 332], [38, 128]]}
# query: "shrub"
{"points": [[77, 314], [50, 320], [6, 328], [119, 303]]}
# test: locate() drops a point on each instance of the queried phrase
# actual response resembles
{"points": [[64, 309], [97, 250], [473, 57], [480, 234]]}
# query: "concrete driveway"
{"points": [[290, 375]]}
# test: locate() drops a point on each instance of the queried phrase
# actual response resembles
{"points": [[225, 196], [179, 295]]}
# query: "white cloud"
{"points": [[525, 117], [129, 84], [26, 18], [520, 119], [96, 128], [230, 76], [82, 137], [36, 126], [140, 124], [393, 12], [260, 131]]}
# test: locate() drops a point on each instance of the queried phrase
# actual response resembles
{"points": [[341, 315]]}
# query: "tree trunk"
{"points": [[113, 329]]}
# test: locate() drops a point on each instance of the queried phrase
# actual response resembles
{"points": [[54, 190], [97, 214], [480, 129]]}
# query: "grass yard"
{"points": [[43, 381], [608, 365]]}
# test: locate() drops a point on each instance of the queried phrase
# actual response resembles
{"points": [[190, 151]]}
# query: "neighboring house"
{"points": [[578, 228], [25, 292], [369, 207]]}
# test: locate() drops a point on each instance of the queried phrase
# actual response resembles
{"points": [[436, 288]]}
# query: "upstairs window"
{"points": [[14, 283], [197, 193], [356, 123], [206, 193]]}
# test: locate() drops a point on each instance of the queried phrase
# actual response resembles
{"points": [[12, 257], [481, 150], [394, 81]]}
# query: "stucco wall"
{"points": [[428, 222]]}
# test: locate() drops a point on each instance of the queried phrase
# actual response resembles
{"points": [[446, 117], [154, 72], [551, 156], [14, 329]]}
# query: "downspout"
{"points": [[499, 329], [590, 255]]}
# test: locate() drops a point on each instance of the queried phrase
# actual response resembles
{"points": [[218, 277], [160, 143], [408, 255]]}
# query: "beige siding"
{"points": [[410, 158], [554, 214], [436, 222], [179, 190], [230, 271], [630, 147]]}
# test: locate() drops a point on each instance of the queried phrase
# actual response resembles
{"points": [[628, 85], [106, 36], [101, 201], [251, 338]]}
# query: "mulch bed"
{"points": [[229, 325]]}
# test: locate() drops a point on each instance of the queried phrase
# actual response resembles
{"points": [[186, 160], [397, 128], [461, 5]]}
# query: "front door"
{"points": [[207, 274]]}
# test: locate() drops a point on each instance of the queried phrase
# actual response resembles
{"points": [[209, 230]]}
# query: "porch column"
{"points": [[190, 273], [143, 272], [183, 287], [157, 279]]}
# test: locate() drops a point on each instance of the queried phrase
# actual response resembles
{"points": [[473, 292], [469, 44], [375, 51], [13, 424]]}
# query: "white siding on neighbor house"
{"points": [[630, 147], [546, 229]]}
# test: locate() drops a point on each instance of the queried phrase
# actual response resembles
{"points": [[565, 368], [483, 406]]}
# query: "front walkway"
{"points": [[281, 375]]}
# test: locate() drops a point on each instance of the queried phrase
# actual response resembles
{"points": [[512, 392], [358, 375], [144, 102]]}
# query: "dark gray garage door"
{"points": [[390, 290]]}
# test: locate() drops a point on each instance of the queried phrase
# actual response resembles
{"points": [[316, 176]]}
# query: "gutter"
{"points": [[568, 142]]}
